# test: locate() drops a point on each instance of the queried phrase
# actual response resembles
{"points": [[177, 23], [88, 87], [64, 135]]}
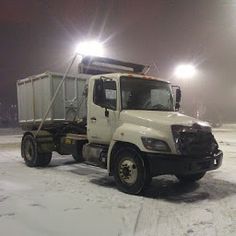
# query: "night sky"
{"points": [[36, 36]]}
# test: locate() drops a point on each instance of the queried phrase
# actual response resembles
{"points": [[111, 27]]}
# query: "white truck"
{"points": [[116, 117]]}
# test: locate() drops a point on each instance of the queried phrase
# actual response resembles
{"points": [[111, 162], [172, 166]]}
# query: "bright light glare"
{"points": [[185, 71], [90, 48]]}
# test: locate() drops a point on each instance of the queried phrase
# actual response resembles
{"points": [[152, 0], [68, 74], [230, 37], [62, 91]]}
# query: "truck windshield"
{"points": [[144, 94]]}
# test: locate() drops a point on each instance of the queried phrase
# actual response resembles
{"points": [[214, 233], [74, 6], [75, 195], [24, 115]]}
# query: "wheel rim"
{"points": [[128, 172], [28, 150]]}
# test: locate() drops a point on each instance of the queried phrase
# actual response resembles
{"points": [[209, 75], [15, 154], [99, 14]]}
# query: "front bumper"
{"points": [[161, 164]]}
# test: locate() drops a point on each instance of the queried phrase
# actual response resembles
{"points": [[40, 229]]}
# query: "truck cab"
{"points": [[133, 129]]}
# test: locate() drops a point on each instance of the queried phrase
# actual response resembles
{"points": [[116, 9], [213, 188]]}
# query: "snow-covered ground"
{"points": [[75, 199]]}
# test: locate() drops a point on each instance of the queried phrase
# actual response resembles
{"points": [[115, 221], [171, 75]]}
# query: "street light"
{"points": [[185, 71], [90, 48]]}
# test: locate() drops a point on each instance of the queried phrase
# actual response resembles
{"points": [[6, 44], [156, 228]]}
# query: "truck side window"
{"points": [[109, 98]]}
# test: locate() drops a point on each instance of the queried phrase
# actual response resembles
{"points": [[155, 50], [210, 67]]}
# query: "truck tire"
{"points": [[78, 155], [30, 153], [129, 171], [44, 159], [148, 180], [191, 177], [78, 158]]}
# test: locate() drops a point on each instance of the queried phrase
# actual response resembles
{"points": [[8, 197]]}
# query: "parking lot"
{"points": [[67, 198]]}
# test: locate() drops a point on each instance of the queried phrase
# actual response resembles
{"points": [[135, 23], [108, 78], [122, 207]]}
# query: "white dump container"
{"points": [[35, 93]]}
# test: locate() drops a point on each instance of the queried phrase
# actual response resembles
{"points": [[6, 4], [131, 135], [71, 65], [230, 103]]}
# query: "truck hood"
{"points": [[152, 118]]}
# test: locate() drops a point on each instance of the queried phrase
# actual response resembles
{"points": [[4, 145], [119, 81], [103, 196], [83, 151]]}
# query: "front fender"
{"points": [[131, 133]]}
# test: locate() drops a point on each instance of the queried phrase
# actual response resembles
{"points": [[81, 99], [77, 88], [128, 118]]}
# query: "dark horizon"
{"points": [[37, 36]]}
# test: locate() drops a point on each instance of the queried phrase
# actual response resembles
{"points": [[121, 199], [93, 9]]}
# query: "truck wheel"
{"points": [[77, 155], [190, 178], [44, 159], [129, 171], [148, 180], [78, 158], [30, 153]]}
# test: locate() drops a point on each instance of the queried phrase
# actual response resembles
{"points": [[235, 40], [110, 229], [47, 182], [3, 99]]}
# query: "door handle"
{"points": [[93, 119]]}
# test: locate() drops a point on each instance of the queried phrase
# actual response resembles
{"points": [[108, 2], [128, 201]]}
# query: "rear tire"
{"points": [[29, 152], [44, 159], [78, 158], [78, 154], [190, 178], [129, 171]]}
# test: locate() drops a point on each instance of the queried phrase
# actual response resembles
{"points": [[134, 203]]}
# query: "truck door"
{"points": [[102, 121]]}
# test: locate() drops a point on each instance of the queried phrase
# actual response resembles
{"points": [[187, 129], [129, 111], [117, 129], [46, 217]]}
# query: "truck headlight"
{"points": [[155, 144]]}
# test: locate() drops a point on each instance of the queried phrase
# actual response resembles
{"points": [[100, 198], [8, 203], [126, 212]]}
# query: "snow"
{"points": [[76, 199]]}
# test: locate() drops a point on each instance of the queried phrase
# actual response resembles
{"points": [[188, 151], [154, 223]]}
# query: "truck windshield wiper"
{"points": [[159, 107]]}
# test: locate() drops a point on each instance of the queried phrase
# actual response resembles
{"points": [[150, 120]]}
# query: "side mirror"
{"points": [[99, 93], [178, 95], [100, 96]]}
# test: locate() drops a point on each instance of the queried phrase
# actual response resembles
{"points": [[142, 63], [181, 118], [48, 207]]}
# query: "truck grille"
{"points": [[194, 142]]}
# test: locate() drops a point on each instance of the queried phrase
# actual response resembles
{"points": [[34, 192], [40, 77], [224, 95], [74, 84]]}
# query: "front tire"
{"points": [[30, 154], [190, 178], [129, 171]]}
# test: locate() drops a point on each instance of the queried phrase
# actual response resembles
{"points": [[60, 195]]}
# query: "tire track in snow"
{"points": [[137, 219]]}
